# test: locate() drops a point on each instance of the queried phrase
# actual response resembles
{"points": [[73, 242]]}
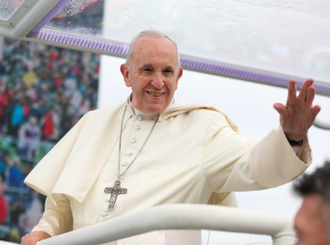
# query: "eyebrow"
{"points": [[169, 67], [145, 65], [150, 65]]}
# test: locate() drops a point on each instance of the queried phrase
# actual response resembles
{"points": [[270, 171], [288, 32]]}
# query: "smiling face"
{"points": [[153, 73], [309, 222]]}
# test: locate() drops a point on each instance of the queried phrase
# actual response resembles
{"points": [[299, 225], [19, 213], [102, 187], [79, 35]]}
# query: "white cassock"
{"points": [[193, 151]]}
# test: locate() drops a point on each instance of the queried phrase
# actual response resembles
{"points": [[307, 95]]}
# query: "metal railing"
{"points": [[183, 216]]}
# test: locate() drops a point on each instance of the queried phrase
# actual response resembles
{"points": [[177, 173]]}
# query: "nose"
{"points": [[157, 81]]}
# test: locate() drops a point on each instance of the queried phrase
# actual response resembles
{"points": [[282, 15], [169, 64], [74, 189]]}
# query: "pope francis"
{"points": [[151, 151]]}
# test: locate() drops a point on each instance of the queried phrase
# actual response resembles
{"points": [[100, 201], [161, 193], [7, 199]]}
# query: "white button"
{"points": [[140, 118], [107, 199], [124, 164], [133, 141], [137, 128], [129, 153], [122, 178], [104, 215]]}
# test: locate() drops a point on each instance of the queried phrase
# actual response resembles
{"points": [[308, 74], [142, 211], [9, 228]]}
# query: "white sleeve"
{"points": [[56, 219], [233, 163]]}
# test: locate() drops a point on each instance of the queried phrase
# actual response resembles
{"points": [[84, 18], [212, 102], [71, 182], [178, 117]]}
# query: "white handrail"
{"points": [[183, 216]]}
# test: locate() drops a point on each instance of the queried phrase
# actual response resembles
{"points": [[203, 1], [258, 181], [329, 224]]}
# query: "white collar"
{"points": [[137, 112]]}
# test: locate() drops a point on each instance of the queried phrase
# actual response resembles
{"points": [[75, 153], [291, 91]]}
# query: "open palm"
{"points": [[298, 115]]}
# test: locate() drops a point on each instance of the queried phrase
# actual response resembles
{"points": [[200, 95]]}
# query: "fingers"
{"points": [[34, 237], [292, 90], [316, 109], [310, 95], [307, 92], [305, 89]]}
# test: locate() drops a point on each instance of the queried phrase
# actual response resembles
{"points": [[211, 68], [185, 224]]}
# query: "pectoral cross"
{"points": [[114, 191]]}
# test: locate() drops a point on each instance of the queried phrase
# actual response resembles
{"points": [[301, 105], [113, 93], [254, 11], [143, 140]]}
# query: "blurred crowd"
{"points": [[44, 91]]}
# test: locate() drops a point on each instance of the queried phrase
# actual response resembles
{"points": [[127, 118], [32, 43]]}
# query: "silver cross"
{"points": [[114, 191]]}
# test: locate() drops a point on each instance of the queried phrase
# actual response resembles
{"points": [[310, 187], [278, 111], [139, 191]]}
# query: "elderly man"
{"points": [[312, 221], [150, 151]]}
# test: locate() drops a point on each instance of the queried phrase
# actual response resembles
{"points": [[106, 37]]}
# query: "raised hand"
{"points": [[298, 115]]}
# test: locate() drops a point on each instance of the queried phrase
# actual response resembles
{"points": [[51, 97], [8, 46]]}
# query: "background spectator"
{"points": [[312, 221], [29, 138], [3, 202], [31, 217], [43, 92]]}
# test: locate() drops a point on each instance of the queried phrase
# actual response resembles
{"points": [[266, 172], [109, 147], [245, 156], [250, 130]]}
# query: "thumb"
{"points": [[280, 108]]}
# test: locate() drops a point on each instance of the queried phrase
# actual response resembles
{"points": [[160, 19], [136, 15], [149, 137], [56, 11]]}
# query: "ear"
{"points": [[178, 77], [125, 72]]}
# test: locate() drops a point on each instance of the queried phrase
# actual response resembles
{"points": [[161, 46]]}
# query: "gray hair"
{"points": [[148, 33]]}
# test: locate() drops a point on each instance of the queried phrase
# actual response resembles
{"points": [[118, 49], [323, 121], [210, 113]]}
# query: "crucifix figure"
{"points": [[114, 191]]}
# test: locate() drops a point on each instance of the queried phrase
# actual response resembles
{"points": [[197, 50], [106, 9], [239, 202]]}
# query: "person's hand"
{"points": [[33, 237], [298, 115]]}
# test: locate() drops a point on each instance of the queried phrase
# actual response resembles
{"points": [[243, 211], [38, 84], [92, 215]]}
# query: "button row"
{"points": [[140, 118]]}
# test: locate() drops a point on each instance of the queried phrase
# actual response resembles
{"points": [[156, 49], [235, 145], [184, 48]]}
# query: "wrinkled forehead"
{"points": [[152, 40], [153, 48]]}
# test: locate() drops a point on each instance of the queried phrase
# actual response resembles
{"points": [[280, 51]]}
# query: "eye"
{"points": [[168, 71], [146, 70]]}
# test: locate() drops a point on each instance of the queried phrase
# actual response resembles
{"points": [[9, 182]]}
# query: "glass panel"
{"points": [[8, 8], [81, 16], [287, 37], [75, 7]]}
